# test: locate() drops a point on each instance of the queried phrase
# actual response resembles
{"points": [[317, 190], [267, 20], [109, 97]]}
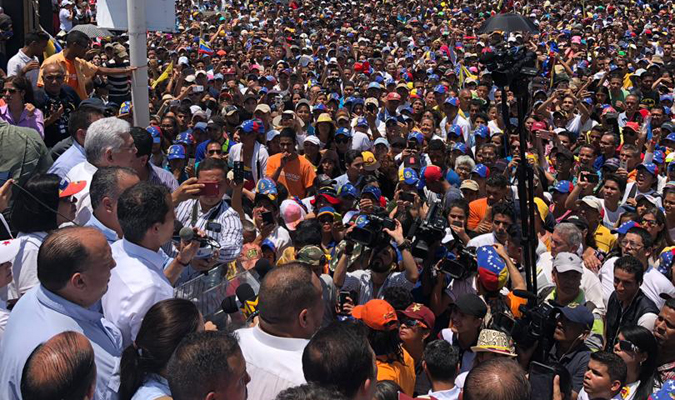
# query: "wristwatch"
{"points": [[406, 245]]}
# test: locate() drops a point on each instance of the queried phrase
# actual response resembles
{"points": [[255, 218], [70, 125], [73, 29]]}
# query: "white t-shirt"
{"points": [[64, 23], [611, 217]]}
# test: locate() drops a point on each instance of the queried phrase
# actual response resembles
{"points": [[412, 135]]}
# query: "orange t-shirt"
{"points": [[71, 75], [298, 174], [477, 210], [402, 374]]}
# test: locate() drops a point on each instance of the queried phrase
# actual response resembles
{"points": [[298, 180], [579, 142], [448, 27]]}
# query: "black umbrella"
{"points": [[508, 23]]}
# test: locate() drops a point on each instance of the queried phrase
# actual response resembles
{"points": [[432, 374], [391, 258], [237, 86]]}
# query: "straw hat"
{"points": [[493, 341]]}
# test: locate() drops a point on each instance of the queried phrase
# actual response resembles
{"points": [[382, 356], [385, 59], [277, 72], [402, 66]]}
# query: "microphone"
{"points": [[262, 267], [229, 305], [186, 234], [248, 299]]}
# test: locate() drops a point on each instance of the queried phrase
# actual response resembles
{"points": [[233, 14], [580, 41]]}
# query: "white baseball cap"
{"points": [[9, 249], [564, 262]]}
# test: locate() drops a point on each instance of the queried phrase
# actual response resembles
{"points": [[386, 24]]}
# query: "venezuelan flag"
{"points": [[204, 48], [52, 48]]}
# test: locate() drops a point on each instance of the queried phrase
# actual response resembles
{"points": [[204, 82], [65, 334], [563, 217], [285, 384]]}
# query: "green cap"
{"points": [[312, 255]]}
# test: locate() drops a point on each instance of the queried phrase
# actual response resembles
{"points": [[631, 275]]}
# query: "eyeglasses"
{"points": [[650, 222], [626, 346]]}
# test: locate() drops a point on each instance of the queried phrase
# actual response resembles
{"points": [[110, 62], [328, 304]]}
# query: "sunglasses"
{"points": [[412, 322], [215, 152], [9, 90], [342, 141], [626, 346], [325, 221]]}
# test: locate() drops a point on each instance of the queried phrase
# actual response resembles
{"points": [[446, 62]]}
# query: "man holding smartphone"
{"points": [[210, 213]]}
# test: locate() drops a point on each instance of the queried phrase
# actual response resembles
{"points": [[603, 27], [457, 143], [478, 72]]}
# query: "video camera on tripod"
{"points": [[508, 64]]}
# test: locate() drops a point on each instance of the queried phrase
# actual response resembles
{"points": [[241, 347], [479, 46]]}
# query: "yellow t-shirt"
{"points": [[604, 240], [402, 374]]}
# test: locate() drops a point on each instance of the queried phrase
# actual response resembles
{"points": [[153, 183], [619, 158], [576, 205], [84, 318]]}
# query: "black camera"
{"points": [[372, 234], [463, 265], [425, 233]]}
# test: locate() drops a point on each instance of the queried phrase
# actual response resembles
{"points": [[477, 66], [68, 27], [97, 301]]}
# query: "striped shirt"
{"points": [[231, 235]]}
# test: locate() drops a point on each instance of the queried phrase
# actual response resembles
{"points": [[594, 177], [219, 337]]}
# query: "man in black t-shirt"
{"points": [[56, 100]]}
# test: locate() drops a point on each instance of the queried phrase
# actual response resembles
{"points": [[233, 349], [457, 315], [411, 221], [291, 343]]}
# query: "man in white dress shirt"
{"points": [[144, 273], [291, 311], [107, 144]]}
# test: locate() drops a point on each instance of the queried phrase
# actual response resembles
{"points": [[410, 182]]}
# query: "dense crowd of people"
{"points": [[361, 161]]}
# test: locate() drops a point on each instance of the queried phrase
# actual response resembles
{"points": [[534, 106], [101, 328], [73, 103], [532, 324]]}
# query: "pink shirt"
{"points": [[36, 121]]}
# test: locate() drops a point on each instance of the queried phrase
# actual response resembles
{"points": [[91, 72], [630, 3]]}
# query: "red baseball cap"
{"points": [[67, 189], [632, 125], [421, 313], [393, 96], [432, 173]]}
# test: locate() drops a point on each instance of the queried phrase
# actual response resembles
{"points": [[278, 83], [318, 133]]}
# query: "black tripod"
{"points": [[518, 84]]}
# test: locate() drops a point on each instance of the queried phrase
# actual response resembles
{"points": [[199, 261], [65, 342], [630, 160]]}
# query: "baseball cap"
{"points": [[482, 170], [494, 341], [611, 164], [593, 202], [271, 134], [381, 140], [625, 227], [453, 101], [292, 213], [578, 314], [665, 260], [370, 163], [564, 152], [440, 89], [176, 151], [455, 130], [393, 96], [68, 188], [633, 126], [312, 255], [415, 135], [408, 176], [347, 190], [200, 125], [327, 193], [343, 132], [184, 138], [492, 271], [377, 314], [155, 132], [471, 304], [469, 185], [372, 190], [125, 108], [650, 167], [563, 186], [564, 262], [267, 187], [326, 211], [362, 122], [263, 108], [269, 245], [460, 147], [9, 249], [230, 110], [432, 173], [482, 131], [251, 126], [419, 312], [312, 139]]}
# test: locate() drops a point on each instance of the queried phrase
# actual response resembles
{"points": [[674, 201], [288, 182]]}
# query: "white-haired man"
{"points": [[108, 144]]}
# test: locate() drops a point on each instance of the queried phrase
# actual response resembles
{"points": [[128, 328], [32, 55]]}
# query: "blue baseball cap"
{"points": [[455, 130], [440, 89], [343, 132], [415, 135], [200, 126], [578, 314], [184, 138], [625, 227], [269, 244], [155, 132], [482, 131], [650, 167], [671, 136], [267, 187], [362, 122], [666, 97], [460, 147], [372, 190], [347, 190], [176, 151], [659, 157], [666, 261], [319, 107], [251, 126], [453, 101], [563, 187], [482, 170], [381, 140], [374, 85], [326, 210], [408, 176]]}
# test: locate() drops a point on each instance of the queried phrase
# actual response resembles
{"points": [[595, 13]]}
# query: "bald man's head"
{"points": [[61, 368], [497, 379]]}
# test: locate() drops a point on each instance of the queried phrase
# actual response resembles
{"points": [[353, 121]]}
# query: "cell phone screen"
{"points": [[541, 380]]}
